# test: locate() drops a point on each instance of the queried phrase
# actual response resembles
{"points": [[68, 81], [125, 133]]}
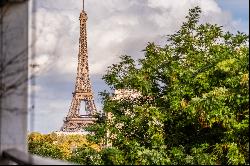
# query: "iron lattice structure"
{"points": [[83, 94]]}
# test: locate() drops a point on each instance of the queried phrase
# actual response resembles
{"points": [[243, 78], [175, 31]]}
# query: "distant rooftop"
{"points": [[71, 133], [126, 94]]}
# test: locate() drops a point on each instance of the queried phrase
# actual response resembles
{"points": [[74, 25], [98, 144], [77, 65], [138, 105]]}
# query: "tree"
{"points": [[44, 146], [62, 147], [192, 106]]}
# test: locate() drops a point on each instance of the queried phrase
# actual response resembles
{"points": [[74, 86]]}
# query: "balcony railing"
{"points": [[14, 156]]}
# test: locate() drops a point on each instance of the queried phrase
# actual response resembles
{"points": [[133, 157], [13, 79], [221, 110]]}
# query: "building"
{"points": [[126, 94], [14, 77]]}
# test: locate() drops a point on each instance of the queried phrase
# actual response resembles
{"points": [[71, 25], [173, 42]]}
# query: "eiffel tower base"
{"points": [[76, 124]]}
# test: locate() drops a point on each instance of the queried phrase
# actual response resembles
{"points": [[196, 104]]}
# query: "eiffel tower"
{"points": [[74, 122]]}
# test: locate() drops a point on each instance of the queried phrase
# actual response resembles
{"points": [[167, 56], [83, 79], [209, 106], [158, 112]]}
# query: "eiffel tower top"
{"points": [[83, 14]]}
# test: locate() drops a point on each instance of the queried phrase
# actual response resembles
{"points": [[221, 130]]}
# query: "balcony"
{"points": [[14, 156]]}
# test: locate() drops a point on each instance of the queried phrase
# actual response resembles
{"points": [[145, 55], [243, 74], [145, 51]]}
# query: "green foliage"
{"points": [[86, 156], [112, 156], [193, 99]]}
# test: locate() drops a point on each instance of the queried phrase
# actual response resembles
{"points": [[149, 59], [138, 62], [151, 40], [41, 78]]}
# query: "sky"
{"points": [[114, 27]]}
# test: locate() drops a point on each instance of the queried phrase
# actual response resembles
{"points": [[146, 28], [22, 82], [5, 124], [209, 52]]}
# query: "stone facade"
{"points": [[13, 74]]}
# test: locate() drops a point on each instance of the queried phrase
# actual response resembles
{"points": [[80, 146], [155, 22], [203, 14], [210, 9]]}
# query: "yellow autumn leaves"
{"points": [[65, 143]]}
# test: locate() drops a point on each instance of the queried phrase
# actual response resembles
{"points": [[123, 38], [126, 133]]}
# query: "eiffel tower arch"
{"points": [[75, 121]]}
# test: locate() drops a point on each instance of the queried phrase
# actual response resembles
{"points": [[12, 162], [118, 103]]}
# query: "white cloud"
{"points": [[112, 25], [42, 59]]}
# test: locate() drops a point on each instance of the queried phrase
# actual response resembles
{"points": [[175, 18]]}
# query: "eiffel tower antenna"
{"points": [[83, 4]]}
